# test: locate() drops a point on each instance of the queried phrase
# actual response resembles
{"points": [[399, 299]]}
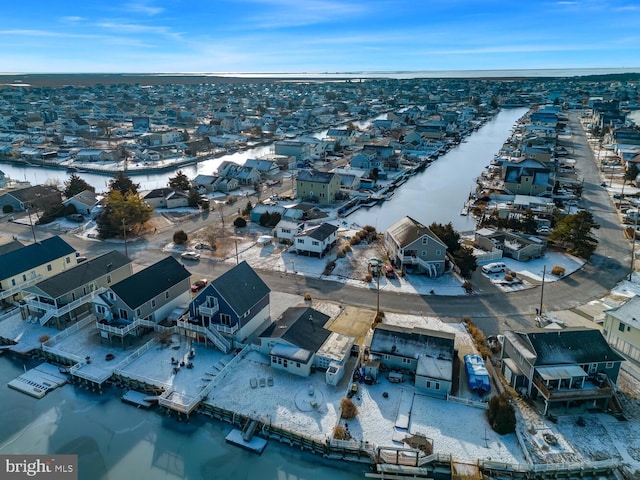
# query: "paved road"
{"points": [[490, 309]]}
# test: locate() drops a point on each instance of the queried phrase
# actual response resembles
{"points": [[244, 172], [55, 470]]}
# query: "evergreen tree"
{"points": [[122, 183], [180, 181], [122, 212], [447, 234], [74, 185], [574, 233]]}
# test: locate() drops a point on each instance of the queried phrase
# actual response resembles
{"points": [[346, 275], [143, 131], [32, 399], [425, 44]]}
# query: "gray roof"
{"points": [[300, 326], [10, 247], [28, 194], [315, 176], [146, 284], [412, 342], [82, 274], [320, 232], [86, 197], [32, 256], [241, 287], [407, 230], [569, 346], [628, 313]]}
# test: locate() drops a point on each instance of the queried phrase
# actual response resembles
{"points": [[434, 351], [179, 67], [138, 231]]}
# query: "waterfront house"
{"points": [[342, 136], [317, 187], [95, 155], [560, 370], [83, 202], [316, 240], [427, 356], [300, 150], [3, 177], [167, 197], [519, 246], [37, 197], [234, 305], [142, 300], [261, 208], [25, 266], [263, 166], [285, 230], [66, 297], [528, 177], [204, 183], [621, 328], [299, 343], [412, 246]]}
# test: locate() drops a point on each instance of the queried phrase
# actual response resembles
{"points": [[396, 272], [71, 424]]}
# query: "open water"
{"points": [[116, 441]]}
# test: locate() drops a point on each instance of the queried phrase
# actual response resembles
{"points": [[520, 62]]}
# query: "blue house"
{"points": [[234, 305]]}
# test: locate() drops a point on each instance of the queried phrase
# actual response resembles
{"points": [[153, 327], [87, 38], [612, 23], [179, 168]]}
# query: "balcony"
{"points": [[209, 308], [588, 391]]}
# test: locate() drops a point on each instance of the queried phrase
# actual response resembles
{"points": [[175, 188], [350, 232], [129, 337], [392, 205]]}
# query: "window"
{"points": [[68, 260], [111, 296], [109, 278], [24, 278], [274, 360], [286, 230], [13, 282], [437, 386], [300, 240], [386, 356], [153, 302], [137, 312], [423, 253], [124, 314], [621, 327], [315, 243], [49, 268], [406, 360], [593, 368], [428, 384], [166, 294], [298, 364], [100, 309], [225, 319], [609, 365], [438, 252]]}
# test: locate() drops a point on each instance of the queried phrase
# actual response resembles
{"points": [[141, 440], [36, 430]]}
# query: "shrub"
{"points": [[368, 277], [180, 237], [240, 222], [369, 229], [558, 271], [307, 297], [508, 277], [341, 254], [349, 410], [378, 318], [347, 248], [501, 415], [7, 208], [340, 433]]}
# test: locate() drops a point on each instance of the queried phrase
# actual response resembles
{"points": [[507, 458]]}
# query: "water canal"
{"points": [[438, 193]]}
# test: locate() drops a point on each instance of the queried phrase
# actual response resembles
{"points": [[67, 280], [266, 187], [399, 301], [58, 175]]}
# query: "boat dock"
{"points": [[246, 438], [39, 380], [139, 399]]}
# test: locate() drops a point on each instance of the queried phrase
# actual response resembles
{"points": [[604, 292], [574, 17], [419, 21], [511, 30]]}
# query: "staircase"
{"points": [[214, 336]]}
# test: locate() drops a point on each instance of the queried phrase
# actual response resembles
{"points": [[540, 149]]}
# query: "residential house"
{"points": [[142, 300], [167, 197], [3, 177], [342, 136], [67, 296], [316, 186], [621, 328], [519, 246], [204, 183], [299, 343], [413, 246], [427, 356], [95, 155], [234, 305], [300, 150], [528, 177], [37, 197], [83, 202], [28, 265], [286, 230], [561, 369], [316, 240], [264, 166]]}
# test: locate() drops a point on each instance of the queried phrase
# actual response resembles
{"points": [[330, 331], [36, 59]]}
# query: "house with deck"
{"points": [[519, 246], [561, 370], [143, 300], [67, 297], [27, 265], [299, 343], [412, 246], [233, 307], [316, 240], [528, 177], [317, 187], [425, 356]]}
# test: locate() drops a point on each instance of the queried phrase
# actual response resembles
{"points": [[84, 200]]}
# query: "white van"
{"points": [[495, 267]]}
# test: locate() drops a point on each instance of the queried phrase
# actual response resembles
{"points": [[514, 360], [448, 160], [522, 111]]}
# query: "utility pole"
{"points": [[633, 245], [124, 232], [33, 231], [544, 271]]}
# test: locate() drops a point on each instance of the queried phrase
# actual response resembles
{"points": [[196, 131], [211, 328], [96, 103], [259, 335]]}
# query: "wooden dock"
{"points": [[254, 444]]}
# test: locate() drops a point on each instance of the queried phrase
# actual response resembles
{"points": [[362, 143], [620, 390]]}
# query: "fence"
{"points": [[468, 402]]}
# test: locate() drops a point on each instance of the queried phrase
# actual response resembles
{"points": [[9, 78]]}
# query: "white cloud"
{"points": [[294, 13], [144, 8]]}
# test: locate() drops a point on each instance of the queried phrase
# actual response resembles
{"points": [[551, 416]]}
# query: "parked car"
{"points": [[495, 267], [543, 230], [199, 285], [190, 256]]}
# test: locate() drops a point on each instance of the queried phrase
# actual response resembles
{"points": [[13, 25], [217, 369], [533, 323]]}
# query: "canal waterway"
{"points": [[438, 193], [118, 441]]}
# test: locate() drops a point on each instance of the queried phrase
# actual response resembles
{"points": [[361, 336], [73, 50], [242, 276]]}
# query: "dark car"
{"points": [[198, 285]]}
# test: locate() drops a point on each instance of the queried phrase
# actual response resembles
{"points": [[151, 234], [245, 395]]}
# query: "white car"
{"points": [[495, 267], [190, 256]]}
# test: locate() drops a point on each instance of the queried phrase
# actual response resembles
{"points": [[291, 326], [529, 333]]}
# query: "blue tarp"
{"points": [[477, 374]]}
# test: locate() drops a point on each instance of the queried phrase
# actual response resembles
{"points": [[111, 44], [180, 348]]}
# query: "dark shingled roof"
{"points": [[241, 287], [81, 274], [32, 256], [150, 282], [570, 346], [412, 342], [315, 176], [300, 326], [321, 232]]}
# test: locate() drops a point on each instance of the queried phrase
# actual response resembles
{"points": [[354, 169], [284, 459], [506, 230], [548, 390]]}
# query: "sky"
{"points": [[315, 36]]}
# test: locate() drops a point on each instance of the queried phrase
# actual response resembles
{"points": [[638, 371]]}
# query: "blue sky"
{"points": [[316, 36]]}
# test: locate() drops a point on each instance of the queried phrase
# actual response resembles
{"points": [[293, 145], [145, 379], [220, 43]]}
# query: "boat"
{"points": [[477, 374]]}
